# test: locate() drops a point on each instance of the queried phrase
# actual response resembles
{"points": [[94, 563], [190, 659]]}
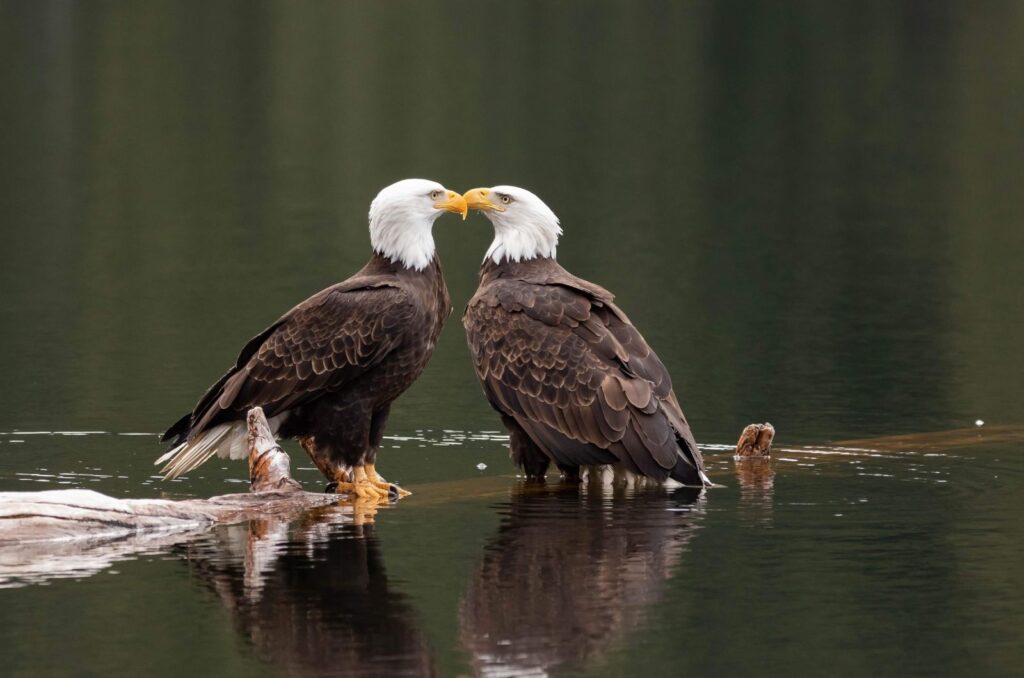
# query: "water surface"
{"points": [[812, 213]]}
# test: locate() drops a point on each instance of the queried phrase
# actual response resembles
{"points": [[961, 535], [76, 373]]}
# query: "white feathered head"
{"points": [[524, 227]]}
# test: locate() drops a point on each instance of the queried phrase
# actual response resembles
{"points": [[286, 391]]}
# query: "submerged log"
{"points": [[66, 515], [936, 441]]}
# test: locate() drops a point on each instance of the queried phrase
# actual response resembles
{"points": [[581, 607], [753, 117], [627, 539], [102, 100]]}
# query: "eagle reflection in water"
{"points": [[570, 573], [312, 596]]}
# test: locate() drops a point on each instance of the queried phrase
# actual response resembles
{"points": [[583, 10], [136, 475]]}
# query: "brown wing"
{"points": [[557, 357], [319, 346]]}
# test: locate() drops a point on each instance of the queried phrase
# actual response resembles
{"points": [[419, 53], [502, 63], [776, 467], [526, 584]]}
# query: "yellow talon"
{"points": [[344, 488], [383, 485], [359, 486], [365, 488]]}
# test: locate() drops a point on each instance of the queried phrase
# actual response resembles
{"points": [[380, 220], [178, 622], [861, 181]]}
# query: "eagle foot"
{"points": [[397, 492], [361, 487], [390, 490], [363, 490]]}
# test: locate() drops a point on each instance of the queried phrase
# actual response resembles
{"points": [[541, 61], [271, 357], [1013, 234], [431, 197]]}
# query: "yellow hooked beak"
{"points": [[455, 203], [479, 199]]}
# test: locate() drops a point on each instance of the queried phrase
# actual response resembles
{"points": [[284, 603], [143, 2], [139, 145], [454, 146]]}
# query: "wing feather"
{"points": [[569, 367], [317, 347]]}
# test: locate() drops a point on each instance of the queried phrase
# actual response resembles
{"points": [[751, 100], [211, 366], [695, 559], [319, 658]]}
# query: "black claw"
{"points": [[331, 488], [392, 492]]}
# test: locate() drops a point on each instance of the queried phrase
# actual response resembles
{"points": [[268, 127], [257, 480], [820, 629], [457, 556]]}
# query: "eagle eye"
{"points": [[434, 195], [506, 199]]}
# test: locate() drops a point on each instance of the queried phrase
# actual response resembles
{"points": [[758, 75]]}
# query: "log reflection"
{"points": [[312, 596], [571, 572], [757, 487]]}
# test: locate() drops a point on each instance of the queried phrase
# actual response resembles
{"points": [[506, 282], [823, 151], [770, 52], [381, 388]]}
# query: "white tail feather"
{"points": [[195, 452], [167, 455], [228, 441]]}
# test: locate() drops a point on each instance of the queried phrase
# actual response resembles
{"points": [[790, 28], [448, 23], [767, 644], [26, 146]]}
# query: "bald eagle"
{"points": [[574, 381], [328, 370]]}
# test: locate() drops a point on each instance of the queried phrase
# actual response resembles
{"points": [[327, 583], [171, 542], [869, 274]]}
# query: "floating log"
{"points": [[66, 515]]}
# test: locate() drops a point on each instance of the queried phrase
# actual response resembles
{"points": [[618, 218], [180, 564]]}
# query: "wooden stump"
{"points": [[756, 441]]}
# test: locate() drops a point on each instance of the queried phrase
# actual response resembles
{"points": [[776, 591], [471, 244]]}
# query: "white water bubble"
{"points": [[481, 466], [979, 422]]}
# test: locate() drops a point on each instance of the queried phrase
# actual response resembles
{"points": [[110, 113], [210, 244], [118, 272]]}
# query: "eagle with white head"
{"points": [[327, 371], [574, 381]]}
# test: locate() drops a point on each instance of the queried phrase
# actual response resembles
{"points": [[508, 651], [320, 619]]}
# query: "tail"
{"points": [[689, 469], [226, 440], [194, 438], [178, 432]]}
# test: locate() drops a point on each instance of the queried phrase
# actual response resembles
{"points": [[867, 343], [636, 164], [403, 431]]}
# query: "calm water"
{"points": [[813, 213]]}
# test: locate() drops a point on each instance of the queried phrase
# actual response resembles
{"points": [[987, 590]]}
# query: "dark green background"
{"points": [[811, 210]]}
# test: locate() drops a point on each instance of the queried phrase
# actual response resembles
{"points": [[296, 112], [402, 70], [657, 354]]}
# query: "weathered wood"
{"points": [[66, 515], [755, 441], [269, 465]]}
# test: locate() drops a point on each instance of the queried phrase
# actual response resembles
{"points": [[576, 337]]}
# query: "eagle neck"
{"points": [[383, 264], [538, 268], [403, 236]]}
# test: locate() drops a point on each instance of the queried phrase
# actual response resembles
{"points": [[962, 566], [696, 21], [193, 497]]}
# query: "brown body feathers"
{"points": [[574, 381]]}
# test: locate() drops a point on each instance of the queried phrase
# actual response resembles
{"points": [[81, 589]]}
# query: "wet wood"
{"points": [[755, 441], [941, 440], [84, 514], [463, 489]]}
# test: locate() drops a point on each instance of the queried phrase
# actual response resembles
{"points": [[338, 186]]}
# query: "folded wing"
{"points": [[319, 346], [561, 358]]}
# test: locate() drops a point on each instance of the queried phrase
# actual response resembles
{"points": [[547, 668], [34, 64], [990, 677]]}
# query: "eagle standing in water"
{"points": [[574, 381], [328, 370]]}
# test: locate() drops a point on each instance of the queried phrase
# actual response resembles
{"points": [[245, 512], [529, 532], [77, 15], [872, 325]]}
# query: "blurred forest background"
{"points": [[812, 211]]}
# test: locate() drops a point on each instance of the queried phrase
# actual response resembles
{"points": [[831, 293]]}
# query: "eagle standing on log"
{"points": [[574, 381], [328, 370]]}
